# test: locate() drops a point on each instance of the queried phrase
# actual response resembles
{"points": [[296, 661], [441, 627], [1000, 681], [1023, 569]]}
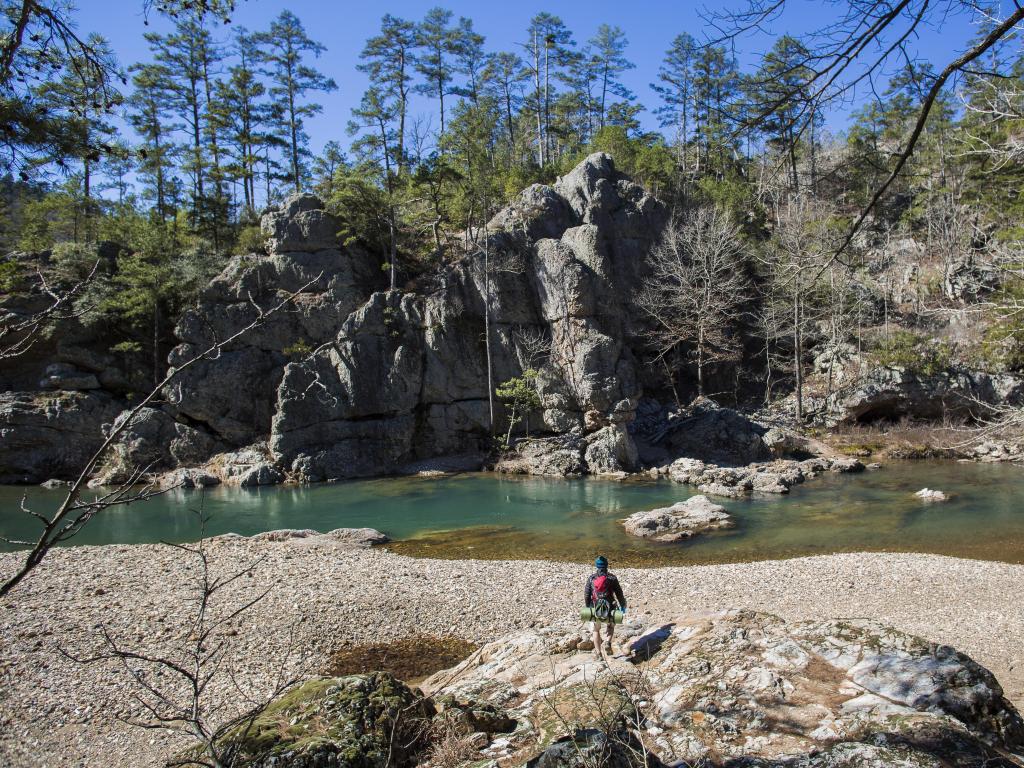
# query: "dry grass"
{"points": [[904, 440], [410, 659]]}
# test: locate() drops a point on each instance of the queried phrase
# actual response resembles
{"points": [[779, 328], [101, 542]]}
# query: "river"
{"points": [[504, 517]]}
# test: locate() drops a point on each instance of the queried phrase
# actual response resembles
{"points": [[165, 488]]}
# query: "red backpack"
{"points": [[600, 596]]}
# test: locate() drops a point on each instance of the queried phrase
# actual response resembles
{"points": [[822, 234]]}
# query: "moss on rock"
{"points": [[359, 721]]}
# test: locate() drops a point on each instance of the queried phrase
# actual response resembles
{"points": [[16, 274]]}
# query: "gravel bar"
{"points": [[325, 595]]}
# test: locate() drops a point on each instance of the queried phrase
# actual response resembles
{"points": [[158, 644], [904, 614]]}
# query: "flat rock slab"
{"points": [[682, 520], [744, 688]]}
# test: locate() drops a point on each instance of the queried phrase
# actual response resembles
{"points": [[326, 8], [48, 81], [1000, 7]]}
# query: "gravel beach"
{"points": [[325, 594]]}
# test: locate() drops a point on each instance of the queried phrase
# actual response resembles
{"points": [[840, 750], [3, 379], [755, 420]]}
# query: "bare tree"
{"points": [[795, 259], [696, 287], [75, 511], [533, 344], [851, 54], [176, 690]]}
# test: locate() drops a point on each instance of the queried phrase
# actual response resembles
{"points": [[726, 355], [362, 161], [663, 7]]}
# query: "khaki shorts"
{"points": [[596, 625]]}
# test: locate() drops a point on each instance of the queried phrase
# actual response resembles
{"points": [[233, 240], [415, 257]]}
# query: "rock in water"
{"points": [[680, 521], [929, 494], [746, 689]]}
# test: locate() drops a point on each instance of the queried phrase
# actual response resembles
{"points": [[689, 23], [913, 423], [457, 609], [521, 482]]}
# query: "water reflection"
{"points": [[476, 515]]}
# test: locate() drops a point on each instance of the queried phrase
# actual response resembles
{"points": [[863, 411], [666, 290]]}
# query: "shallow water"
{"points": [[495, 516]]}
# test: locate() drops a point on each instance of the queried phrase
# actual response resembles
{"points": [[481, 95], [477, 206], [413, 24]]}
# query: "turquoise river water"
{"points": [[503, 517]]}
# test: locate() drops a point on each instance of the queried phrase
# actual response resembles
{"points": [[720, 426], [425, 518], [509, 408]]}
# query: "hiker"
{"points": [[603, 594]]}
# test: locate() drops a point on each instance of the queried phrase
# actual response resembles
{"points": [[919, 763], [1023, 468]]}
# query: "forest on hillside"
{"points": [[896, 241]]}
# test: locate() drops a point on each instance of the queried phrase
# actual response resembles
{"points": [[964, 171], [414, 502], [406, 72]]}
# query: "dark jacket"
{"points": [[617, 598]]}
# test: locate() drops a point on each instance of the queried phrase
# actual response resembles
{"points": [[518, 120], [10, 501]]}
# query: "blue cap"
{"points": [[601, 562]]}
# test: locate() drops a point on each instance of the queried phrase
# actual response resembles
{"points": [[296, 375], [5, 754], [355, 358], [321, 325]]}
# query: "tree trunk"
{"points": [[797, 358], [487, 329], [156, 342], [700, 362]]}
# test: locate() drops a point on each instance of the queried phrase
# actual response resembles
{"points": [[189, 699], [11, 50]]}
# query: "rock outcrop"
{"points": [[363, 721], [683, 520], [361, 381], [760, 477], [742, 688], [45, 435], [893, 393]]}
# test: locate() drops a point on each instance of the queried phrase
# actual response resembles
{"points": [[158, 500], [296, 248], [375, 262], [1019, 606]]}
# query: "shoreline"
{"points": [[335, 595]]}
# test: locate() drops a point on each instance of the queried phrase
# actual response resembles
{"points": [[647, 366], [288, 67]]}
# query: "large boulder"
{"points": [[46, 435], [712, 433], [359, 721], [745, 689], [151, 441], [682, 520]]}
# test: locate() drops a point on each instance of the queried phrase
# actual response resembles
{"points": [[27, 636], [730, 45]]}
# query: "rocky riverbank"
{"points": [[327, 594]]}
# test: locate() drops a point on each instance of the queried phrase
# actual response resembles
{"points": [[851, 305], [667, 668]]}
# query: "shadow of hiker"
{"points": [[649, 643]]}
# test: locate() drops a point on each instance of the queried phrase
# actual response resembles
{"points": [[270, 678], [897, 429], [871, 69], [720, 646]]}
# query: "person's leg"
{"points": [[597, 638], [611, 632]]}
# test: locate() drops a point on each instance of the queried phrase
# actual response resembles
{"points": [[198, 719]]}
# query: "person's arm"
{"points": [[586, 593], [619, 597]]}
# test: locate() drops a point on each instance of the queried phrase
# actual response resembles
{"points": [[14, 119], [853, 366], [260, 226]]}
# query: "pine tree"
{"points": [[87, 103], [548, 45], [388, 59], [152, 116], [180, 57], [504, 79], [676, 76], [325, 167], [242, 114], [610, 60], [438, 40], [470, 59], [282, 49]]}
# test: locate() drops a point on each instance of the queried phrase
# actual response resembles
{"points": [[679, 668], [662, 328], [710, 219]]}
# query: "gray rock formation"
{"points": [[892, 393], [46, 435], [743, 689], [704, 430], [154, 441], [682, 520], [405, 377], [233, 396], [761, 477]]}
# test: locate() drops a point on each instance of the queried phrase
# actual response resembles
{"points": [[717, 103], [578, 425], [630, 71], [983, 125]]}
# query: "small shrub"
{"points": [[12, 277], [915, 352], [299, 350], [250, 240]]}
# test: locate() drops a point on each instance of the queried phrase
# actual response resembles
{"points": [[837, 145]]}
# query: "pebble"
{"points": [[325, 594]]}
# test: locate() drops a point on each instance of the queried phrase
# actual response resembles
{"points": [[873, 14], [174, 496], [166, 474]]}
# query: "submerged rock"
{"points": [[682, 520], [929, 494], [746, 689]]}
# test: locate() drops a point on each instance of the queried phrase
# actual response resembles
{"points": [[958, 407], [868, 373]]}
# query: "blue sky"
{"points": [[343, 27]]}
